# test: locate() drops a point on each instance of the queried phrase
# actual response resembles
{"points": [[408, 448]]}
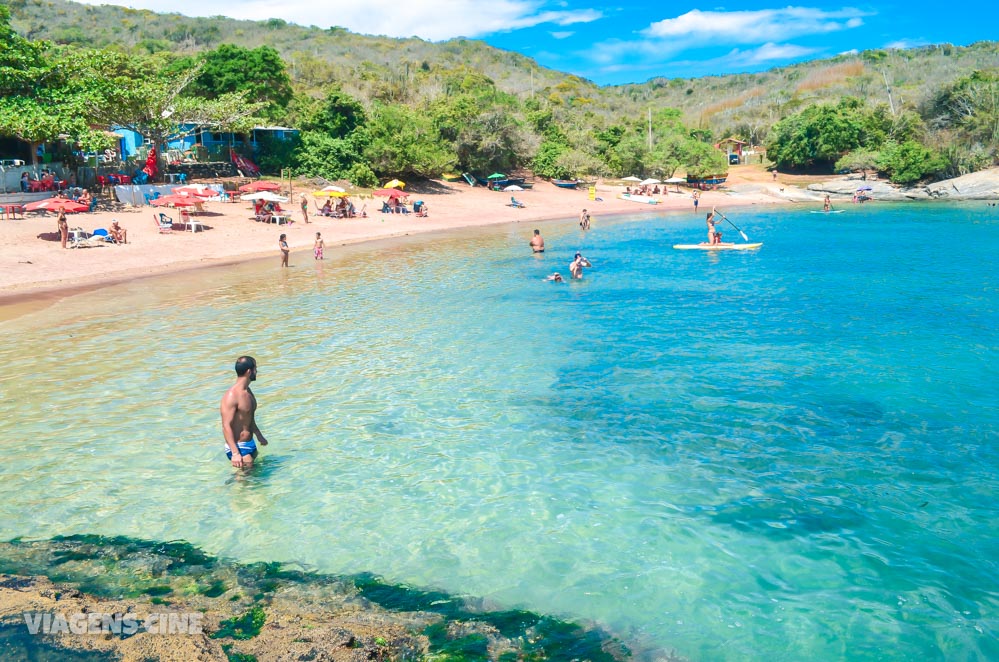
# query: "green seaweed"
{"points": [[246, 626], [158, 590], [470, 648], [108, 568], [237, 657], [214, 590]]}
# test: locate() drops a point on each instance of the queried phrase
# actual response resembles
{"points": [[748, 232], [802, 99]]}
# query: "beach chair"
{"points": [[103, 234], [420, 208], [164, 222], [514, 202], [93, 204], [190, 223]]}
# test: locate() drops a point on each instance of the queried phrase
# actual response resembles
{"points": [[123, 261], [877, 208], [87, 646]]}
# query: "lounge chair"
{"points": [[514, 202], [164, 222], [420, 208], [104, 234]]}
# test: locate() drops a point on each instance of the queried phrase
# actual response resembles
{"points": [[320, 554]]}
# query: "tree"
{"points": [[259, 72], [703, 160], [40, 99], [908, 162], [143, 98], [404, 141], [819, 135], [862, 159]]}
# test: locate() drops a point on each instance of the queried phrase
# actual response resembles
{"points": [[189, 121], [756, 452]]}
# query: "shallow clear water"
{"points": [[789, 453]]}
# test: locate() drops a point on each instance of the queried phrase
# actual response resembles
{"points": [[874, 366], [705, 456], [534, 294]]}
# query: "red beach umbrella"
{"points": [[199, 190], [261, 185], [390, 193], [56, 204], [176, 201]]}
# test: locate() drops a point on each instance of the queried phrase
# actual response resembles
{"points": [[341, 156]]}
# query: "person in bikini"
{"points": [[238, 410]]}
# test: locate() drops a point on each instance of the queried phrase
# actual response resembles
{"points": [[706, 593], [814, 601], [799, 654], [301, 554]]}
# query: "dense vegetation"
{"points": [[372, 106]]}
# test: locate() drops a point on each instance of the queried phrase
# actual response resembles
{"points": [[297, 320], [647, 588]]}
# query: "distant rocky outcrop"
{"points": [[982, 185]]}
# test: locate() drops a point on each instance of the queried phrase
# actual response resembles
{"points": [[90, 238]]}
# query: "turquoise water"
{"points": [[789, 453]]}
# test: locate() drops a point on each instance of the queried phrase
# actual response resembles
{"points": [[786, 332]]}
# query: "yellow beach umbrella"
{"points": [[395, 183], [330, 194]]}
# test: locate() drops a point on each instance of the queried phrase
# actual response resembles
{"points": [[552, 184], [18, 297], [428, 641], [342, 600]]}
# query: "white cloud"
{"points": [[753, 27], [905, 43], [561, 35], [433, 20]]}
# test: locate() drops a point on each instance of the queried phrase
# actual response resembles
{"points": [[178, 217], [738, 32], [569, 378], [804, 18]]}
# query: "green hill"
{"points": [[411, 70]]}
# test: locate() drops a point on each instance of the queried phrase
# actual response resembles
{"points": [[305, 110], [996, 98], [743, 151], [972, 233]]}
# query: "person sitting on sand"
{"points": [[577, 264], [84, 198], [327, 209], [556, 278], [537, 242], [118, 233]]}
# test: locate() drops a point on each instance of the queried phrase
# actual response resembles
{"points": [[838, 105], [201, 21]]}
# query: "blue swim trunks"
{"points": [[248, 447]]}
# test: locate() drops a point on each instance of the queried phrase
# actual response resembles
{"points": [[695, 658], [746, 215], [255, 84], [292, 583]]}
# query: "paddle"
{"points": [[732, 224]]}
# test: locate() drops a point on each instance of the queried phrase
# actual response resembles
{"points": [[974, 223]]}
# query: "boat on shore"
{"points": [[565, 183], [644, 199], [716, 247]]}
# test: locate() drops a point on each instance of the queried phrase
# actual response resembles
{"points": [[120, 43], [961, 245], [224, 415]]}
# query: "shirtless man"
{"points": [[238, 408], [537, 242], [577, 264]]}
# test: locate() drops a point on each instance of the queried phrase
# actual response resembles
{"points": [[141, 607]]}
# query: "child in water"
{"points": [[317, 249]]}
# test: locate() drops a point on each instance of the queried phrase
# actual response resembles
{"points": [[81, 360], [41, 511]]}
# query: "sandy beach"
{"points": [[34, 267]]}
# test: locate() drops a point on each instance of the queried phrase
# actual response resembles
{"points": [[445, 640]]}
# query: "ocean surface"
{"points": [[782, 454]]}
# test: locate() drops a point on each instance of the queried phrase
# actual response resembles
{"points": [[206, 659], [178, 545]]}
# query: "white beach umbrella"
{"points": [[631, 179], [646, 182], [513, 187], [264, 195], [675, 180], [336, 189]]}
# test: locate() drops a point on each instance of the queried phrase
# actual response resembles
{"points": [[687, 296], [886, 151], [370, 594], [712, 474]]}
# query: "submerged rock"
{"points": [[263, 611]]}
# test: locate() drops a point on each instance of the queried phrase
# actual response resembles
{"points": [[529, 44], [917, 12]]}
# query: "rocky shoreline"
{"points": [[170, 601], [982, 185]]}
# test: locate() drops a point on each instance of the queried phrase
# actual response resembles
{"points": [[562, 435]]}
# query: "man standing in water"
{"points": [[537, 243], [238, 408]]}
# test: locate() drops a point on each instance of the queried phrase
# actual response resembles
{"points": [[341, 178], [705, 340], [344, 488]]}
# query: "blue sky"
{"points": [[630, 42]]}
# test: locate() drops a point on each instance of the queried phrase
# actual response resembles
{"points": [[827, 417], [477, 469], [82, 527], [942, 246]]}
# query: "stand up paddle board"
{"points": [[716, 247], [831, 211]]}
